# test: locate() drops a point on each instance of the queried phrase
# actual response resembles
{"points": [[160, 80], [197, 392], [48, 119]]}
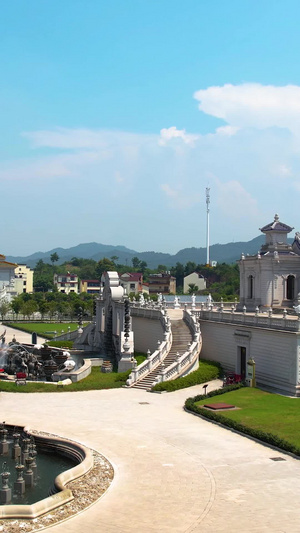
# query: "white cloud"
{"points": [[285, 171], [235, 202], [168, 134], [227, 130], [252, 168], [62, 165], [178, 197], [253, 105], [74, 139]]}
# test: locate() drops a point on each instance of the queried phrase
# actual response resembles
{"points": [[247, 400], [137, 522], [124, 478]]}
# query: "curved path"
{"points": [[174, 472]]}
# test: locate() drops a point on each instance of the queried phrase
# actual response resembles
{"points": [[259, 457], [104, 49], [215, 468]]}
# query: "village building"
{"points": [[66, 283], [195, 279], [162, 283]]}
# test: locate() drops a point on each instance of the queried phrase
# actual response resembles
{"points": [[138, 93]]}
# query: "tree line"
{"points": [[222, 281]]}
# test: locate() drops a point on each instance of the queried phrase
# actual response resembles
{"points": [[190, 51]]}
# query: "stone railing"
{"points": [[259, 320], [188, 361], [182, 303], [163, 348], [67, 336]]}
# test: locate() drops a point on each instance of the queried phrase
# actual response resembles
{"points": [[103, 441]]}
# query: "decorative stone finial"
{"points": [[276, 218]]}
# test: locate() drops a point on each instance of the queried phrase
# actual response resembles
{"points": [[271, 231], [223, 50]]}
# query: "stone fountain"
{"points": [[34, 471], [38, 362]]}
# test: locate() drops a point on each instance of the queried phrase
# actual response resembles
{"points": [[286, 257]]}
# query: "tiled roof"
{"points": [[276, 225], [134, 276]]}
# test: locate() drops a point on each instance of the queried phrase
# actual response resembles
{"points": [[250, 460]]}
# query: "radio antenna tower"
{"points": [[207, 223]]}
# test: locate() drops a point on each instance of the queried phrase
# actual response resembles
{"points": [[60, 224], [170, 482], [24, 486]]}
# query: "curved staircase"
{"points": [[181, 336]]}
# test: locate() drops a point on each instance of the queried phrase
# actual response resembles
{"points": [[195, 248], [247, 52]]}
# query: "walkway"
{"points": [[20, 336], [174, 472]]}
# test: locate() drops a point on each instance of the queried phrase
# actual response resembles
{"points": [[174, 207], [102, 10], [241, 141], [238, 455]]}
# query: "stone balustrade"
{"points": [[260, 320], [190, 359], [163, 348]]}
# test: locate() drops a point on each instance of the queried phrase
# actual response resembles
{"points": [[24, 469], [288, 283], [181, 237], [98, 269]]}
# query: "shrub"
{"points": [[207, 371]]}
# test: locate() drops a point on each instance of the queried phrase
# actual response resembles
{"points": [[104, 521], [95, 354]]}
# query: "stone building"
{"points": [[271, 278], [269, 281]]}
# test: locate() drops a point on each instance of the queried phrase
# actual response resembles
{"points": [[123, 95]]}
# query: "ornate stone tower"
{"points": [[272, 277]]}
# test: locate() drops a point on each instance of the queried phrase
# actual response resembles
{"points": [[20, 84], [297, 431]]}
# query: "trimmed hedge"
{"points": [[60, 344], [268, 438], [207, 371]]}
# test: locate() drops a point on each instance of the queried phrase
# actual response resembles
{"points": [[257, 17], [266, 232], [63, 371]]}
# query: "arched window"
{"points": [[290, 287], [250, 287]]}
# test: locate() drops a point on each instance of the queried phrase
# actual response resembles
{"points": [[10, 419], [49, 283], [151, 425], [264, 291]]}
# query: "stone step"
{"points": [[181, 337]]}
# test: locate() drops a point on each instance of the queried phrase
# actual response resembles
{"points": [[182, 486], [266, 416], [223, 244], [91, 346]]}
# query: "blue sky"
{"points": [[115, 117]]}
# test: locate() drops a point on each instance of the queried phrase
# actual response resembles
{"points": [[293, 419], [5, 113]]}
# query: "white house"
{"points": [[132, 282], [66, 283], [196, 279]]}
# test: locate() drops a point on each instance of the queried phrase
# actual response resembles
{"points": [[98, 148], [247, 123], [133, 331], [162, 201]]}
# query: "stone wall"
{"points": [[275, 352], [147, 332]]}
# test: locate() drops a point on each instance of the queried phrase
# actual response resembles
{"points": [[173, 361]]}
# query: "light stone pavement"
{"points": [[174, 472], [20, 336]]}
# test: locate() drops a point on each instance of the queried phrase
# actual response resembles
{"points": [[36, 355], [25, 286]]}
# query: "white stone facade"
{"points": [[276, 351], [272, 277]]}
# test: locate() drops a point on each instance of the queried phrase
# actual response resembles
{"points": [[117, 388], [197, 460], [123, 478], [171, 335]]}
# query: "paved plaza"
{"points": [[20, 336], [174, 472]]}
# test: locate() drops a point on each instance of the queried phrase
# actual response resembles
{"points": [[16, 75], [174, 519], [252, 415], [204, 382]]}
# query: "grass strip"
{"points": [[268, 417], [97, 380]]}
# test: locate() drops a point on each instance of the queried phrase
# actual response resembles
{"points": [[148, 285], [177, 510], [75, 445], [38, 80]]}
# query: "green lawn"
{"points": [[261, 410], [45, 329], [97, 380], [207, 371]]}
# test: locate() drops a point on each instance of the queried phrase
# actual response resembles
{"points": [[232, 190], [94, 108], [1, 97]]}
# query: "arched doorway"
{"points": [[250, 287], [290, 287]]}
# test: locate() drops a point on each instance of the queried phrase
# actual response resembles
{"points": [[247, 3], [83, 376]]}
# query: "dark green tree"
{"points": [[104, 265], [54, 258], [136, 262]]}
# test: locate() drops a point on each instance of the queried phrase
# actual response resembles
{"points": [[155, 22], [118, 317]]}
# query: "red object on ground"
{"points": [[1, 369], [220, 405], [21, 375]]}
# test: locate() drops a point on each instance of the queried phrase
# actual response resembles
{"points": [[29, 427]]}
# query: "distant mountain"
{"points": [[223, 253]]}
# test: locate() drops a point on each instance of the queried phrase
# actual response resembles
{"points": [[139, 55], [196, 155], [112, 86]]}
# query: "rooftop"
{"points": [[277, 226]]}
